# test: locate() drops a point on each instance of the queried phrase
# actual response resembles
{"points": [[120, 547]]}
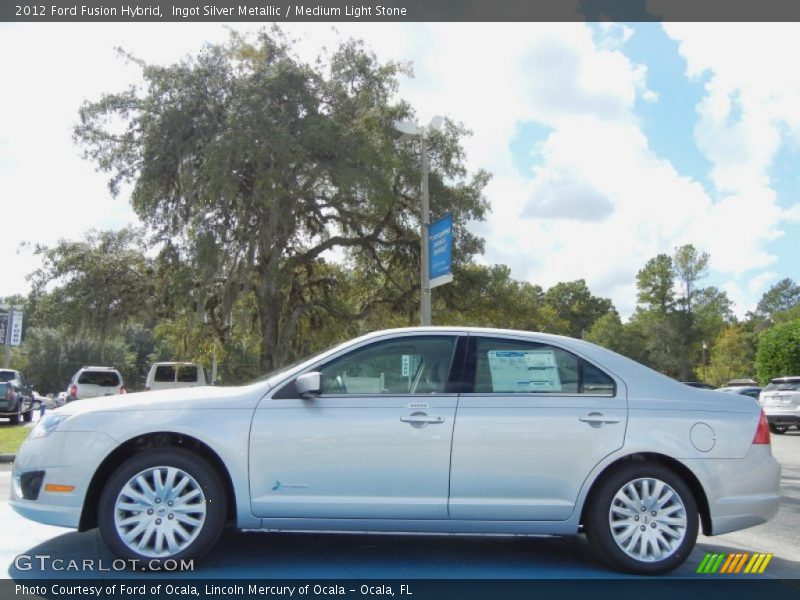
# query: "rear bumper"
{"points": [[783, 419], [741, 493]]}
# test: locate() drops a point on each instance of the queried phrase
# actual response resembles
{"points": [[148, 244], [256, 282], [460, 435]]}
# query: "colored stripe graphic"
{"points": [[724, 563]]}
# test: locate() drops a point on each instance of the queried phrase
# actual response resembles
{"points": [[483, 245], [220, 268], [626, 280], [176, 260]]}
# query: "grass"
{"points": [[11, 437]]}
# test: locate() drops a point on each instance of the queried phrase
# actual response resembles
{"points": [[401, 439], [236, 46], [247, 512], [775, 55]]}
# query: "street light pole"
{"points": [[425, 291], [410, 130]]}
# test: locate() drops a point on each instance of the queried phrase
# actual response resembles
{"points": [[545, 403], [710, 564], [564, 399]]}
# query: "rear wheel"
{"points": [[28, 414], [14, 419], [162, 504], [779, 429], [642, 518]]}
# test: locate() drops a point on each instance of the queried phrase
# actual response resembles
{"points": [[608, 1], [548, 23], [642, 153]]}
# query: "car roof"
{"points": [[786, 379]]}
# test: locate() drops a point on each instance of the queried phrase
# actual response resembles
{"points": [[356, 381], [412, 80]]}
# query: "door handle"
{"points": [[421, 419], [595, 418]]}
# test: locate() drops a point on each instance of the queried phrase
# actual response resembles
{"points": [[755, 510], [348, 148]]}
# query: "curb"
{"points": [[7, 458]]}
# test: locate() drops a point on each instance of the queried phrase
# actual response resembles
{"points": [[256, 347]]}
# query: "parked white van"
{"points": [[171, 375]]}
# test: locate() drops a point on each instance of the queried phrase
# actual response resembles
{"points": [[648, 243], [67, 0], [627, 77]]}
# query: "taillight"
{"points": [[9, 393], [762, 431], [122, 390], [73, 390]]}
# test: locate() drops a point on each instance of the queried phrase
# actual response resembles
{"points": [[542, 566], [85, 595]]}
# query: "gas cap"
{"points": [[703, 437]]}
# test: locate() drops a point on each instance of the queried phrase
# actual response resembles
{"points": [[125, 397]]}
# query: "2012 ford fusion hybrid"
{"points": [[435, 430]]}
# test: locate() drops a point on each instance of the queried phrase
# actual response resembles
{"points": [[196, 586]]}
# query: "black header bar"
{"points": [[332, 11]]}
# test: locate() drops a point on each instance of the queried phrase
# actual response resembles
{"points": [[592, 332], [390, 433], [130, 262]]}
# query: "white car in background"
{"points": [[172, 375], [432, 430], [781, 402], [92, 382]]}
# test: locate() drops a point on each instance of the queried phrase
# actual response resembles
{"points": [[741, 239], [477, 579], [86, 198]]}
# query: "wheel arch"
{"points": [[150, 441], [684, 472]]}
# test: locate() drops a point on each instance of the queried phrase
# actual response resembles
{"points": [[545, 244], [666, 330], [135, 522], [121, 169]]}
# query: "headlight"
{"points": [[47, 425]]}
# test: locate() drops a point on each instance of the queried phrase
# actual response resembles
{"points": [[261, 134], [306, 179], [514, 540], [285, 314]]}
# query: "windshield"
{"points": [[292, 365]]}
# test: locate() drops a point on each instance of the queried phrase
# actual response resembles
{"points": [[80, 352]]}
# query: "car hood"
{"points": [[175, 399]]}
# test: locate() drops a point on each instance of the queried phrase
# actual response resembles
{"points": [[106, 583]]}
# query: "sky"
{"points": [[608, 143]]}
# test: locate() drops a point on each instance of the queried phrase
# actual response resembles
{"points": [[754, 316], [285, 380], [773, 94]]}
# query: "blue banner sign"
{"points": [[440, 251]]}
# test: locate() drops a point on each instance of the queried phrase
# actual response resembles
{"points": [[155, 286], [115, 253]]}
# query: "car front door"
{"points": [[533, 422], [375, 443]]}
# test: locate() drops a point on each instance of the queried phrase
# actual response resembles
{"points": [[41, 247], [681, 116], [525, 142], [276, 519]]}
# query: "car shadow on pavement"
{"points": [[360, 556]]}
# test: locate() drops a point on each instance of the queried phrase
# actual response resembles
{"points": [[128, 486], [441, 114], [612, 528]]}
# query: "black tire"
{"points": [[14, 419], [27, 416], [778, 429], [599, 530], [198, 468]]}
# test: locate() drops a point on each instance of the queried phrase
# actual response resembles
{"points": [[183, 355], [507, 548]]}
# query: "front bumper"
{"points": [[66, 458]]}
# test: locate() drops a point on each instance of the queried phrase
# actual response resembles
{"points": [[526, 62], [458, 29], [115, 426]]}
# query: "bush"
{"points": [[778, 351]]}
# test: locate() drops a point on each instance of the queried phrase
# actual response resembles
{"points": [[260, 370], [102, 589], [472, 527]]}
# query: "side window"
{"points": [[409, 365], [164, 374], [509, 366], [187, 374]]}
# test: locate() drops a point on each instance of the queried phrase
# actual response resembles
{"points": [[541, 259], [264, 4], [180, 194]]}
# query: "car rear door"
{"points": [[533, 421], [374, 444]]}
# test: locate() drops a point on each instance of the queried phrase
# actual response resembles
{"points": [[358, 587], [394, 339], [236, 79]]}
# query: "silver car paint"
{"points": [[661, 414]]}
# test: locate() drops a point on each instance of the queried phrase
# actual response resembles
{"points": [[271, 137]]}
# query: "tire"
{"points": [[778, 429], [617, 537], [14, 419], [27, 416], [188, 532]]}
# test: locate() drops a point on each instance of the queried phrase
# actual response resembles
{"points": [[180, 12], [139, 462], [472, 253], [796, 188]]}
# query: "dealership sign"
{"points": [[440, 251]]}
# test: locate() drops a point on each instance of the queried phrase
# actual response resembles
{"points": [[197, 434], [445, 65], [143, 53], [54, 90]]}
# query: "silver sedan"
{"points": [[436, 430]]}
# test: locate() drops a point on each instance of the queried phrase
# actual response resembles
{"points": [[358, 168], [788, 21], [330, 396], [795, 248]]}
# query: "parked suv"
{"points": [[171, 375], [781, 403], [91, 382]]}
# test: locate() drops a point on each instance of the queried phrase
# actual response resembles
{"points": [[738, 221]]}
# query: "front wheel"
{"points": [[642, 519], [27, 416], [162, 504]]}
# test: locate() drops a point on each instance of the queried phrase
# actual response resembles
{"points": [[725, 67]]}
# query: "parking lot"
{"points": [[351, 556]]}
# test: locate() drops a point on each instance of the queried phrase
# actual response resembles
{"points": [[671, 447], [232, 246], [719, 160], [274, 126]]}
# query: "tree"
{"points": [[94, 286], [610, 332], [574, 304], [778, 351], [655, 284], [713, 311], [690, 266], [780, 297], [731, 356], [259, 166]]}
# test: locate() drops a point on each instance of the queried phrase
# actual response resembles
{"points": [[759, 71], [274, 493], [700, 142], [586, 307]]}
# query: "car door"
{"points": [[533, 421], [375, 443]]}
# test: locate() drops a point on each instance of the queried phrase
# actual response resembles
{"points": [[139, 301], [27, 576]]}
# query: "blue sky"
{"points": [[607, 143]]}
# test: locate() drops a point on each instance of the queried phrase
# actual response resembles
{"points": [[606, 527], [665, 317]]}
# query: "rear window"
{"points": [[783, 386], [165, 373], [187, 373], [101, 378], [6, 376]]}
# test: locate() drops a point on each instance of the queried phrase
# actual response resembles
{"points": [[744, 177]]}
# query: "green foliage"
{"points": [[96, 286], [778, 352], [655, 284], [574, 305], [731, 356], [690, 266], [780, 297], [256, 164], [627, 339]]}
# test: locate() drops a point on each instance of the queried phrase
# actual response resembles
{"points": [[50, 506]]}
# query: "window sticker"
{"points": [[524, 371]]}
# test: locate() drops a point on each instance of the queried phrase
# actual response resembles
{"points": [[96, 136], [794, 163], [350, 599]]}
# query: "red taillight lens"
{"points": [[73, 390], [762, 431], [122, 390], [9, 393]]}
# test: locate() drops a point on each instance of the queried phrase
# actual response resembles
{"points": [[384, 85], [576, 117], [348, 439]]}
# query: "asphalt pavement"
{"points": [[350, 556]]}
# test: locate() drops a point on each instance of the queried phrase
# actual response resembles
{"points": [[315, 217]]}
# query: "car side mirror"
{"points": [[309, 384]]}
